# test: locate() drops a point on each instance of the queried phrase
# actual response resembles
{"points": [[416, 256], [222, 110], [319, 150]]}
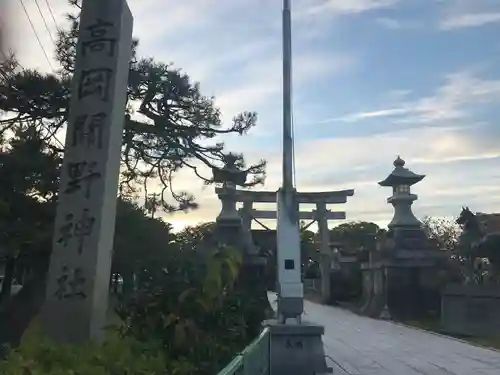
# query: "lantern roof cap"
{"points": [[401, 175], [230, 172]]}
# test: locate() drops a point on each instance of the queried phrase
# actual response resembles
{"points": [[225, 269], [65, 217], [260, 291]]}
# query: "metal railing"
{"points": [[253, 360]]}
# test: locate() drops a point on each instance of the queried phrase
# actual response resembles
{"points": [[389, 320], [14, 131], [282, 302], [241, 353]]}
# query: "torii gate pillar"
{"points": [[325, 256]]}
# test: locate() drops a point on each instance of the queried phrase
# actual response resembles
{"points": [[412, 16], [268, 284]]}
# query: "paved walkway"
{"points": [[364, 346]]}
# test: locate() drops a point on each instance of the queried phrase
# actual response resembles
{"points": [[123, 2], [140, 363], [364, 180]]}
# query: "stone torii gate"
{"points": [[321, 215], [248, 214]]}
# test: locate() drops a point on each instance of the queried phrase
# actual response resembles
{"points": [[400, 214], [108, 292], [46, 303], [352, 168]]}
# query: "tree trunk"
{"points": [[5, 293], [20, 272], [16, 315]]}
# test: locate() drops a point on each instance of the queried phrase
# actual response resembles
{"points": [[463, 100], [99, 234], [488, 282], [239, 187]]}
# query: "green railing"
{"points": [[253, 360]]}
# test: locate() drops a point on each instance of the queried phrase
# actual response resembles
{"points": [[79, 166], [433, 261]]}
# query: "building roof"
{"points": [[401, 175], [489, 223]]}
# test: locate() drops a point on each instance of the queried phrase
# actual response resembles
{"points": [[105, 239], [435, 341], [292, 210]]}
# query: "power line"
{"points": [[51, 13], [44, 22], [36, 34], [2, 73]]}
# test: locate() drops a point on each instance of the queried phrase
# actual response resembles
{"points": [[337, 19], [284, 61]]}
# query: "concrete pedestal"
{"points": [[297, 349], [410, 287]]}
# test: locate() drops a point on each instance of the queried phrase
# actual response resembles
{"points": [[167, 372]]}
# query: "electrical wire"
{"points": [[5, 56], [51, 14], [36, 35], [44, 22]]}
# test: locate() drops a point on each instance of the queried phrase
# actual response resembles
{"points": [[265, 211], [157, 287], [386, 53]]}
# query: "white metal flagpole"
{"points": [[290, 291], [287, 99], [289, 328]]}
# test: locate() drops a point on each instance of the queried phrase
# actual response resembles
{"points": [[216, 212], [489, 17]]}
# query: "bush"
{"points": [[191, 318], [116, 356], [193, 310]]}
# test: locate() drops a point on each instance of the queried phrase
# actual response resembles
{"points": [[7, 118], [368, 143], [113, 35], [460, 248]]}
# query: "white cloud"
{"points": [[440, 152], [260, 81], [451, 101], [469, 20], [394, 24], [390, 112], [233, 48], [360, 162], [459, 14], [216, 42], [422, 145], [342, 7], [389, 23], [170, 20], [159, 25]]}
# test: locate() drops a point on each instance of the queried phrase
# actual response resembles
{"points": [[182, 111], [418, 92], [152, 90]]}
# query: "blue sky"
{"points": [[372, 79]]}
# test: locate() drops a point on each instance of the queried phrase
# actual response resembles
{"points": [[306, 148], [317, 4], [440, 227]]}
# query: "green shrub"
{"points": [[195, 311], [116, 356], [190, 319]]}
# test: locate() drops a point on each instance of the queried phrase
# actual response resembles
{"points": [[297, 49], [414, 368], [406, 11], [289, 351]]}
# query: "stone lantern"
{"points": [[230, 176], [404, 269], [229, 223], [230, 231], [401, 179]]}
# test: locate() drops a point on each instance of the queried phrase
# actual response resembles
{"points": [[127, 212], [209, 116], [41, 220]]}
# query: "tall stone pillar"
{"points": [[325, 257], [79, 274]]}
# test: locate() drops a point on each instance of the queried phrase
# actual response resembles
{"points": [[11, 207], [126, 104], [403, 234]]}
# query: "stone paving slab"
{"points": [[363, 346]]}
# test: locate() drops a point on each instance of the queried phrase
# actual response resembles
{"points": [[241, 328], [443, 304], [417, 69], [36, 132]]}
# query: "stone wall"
{"points": [[471, 310]]}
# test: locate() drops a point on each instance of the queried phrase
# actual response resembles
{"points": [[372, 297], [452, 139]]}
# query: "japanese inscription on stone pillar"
{"points": [[78, 283]]}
